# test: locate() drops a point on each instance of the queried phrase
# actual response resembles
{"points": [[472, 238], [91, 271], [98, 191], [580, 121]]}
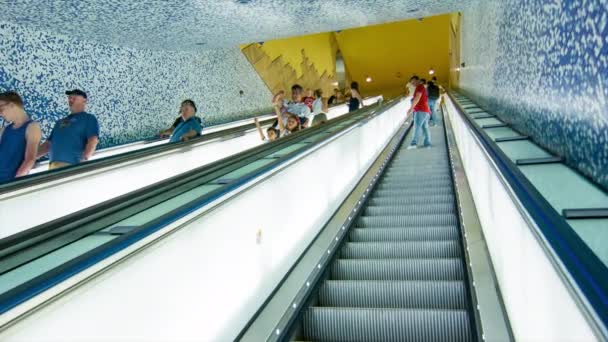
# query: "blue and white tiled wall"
{"points": [[543, 67], [133, 93]]}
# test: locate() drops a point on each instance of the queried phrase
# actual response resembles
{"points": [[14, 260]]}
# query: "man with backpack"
{"points": [[433, 93]]}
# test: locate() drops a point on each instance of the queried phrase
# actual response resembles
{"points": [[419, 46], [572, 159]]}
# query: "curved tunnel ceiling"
{"points": [[204, 24]]}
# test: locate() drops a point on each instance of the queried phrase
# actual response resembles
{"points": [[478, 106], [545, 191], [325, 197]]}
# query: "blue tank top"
{"points": [[353, 104], [12, 151]]}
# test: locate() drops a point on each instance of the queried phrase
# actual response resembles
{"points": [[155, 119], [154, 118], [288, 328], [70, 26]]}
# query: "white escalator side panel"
{"points": [[539, 304], [205, 281]]}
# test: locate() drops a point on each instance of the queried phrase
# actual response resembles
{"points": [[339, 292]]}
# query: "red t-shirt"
{"points": [[423, 104]]}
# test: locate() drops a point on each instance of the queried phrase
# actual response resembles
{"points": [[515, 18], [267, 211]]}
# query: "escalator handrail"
{"points": [[587, 271], [31, 288], [109, 161]]}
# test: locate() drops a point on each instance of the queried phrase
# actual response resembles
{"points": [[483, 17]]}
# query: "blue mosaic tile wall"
{"points": [[133, 92], [543, 67]]}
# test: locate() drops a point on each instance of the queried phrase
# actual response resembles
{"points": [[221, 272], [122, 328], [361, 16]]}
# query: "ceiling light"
{"points": [[431, 71], [368, 79], [335, 84], [458, 69]]}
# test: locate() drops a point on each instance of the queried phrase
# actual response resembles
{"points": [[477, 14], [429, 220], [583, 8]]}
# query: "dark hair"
{"points": [[414, 78], [297, 118], [354, 85], [423, 80], [296, 87], [318, 93], [336, 89], [434, 79], [189, 102], [12, 97], [276, 131]]}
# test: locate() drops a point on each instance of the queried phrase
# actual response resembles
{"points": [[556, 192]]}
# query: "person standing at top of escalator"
{"points": [[433, 93], [73, 138], [190, 126], [19, 140], [355, 101], [420, 110]]}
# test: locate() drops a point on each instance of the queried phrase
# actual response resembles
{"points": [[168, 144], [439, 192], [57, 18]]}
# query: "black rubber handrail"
{"points": [[46, 280], [588, 271], [92, 165]]}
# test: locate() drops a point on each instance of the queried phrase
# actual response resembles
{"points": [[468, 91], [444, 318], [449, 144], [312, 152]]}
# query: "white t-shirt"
{"points": [[317, 106], [297, 108]]}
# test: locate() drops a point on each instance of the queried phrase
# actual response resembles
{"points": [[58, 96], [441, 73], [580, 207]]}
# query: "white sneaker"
{"points": [[412, 147]]}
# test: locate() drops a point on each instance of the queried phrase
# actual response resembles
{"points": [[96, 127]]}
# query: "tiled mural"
{"points": [[197, 25], [543, 67], [133, 93]]}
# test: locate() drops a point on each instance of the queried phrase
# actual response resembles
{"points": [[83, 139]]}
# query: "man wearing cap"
{"points": [[75, 137]]}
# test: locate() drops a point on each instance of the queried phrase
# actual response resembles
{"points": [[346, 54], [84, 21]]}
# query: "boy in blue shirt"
{"points": [[190, 127], [75, 137]]}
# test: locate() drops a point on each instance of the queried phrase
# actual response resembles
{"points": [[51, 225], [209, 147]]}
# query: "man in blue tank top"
{"points": [[19, 140], [75, 137]]}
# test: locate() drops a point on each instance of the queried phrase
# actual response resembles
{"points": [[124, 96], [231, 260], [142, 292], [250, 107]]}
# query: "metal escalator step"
{"points": [[406, 221], [356, 324], [421, 165], [394, 294], [409, 200], [434, 208], [448, 190], [413, 176], [397, 269], [404, 234], [410, 185], [400, 249]]}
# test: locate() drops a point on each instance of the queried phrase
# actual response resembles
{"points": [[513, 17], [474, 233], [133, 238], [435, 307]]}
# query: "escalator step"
{"points": [[402, 249], [394, 294], [436, 208], [409, 200], [397, 269], [413, 192], [413, 186], [354, 324], [446, 181], [404, 234], [407, 221]]}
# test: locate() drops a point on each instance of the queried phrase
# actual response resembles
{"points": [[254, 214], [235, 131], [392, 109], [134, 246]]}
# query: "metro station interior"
{"points": [[327, 170]]}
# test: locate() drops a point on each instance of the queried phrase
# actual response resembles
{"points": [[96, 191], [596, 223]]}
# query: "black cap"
{"points": [[77, 92]]}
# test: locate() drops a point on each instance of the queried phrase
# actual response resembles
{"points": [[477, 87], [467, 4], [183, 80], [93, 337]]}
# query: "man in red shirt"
{"points": [[422, 114]]}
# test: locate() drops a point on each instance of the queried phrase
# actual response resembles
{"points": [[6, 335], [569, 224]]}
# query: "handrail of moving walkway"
{"points": [[98, 216], [586, 269]]}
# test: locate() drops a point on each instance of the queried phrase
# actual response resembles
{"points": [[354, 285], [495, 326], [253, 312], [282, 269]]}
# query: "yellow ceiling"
{"points": [[406, 47]]}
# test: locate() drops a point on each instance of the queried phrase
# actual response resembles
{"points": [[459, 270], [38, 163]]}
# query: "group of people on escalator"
{"points": [[305, 109], [425, 96], [73, 138]]}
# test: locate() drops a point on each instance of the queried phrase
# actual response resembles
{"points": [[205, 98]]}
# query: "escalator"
{"points": [[37, 260], [400, 274]]}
